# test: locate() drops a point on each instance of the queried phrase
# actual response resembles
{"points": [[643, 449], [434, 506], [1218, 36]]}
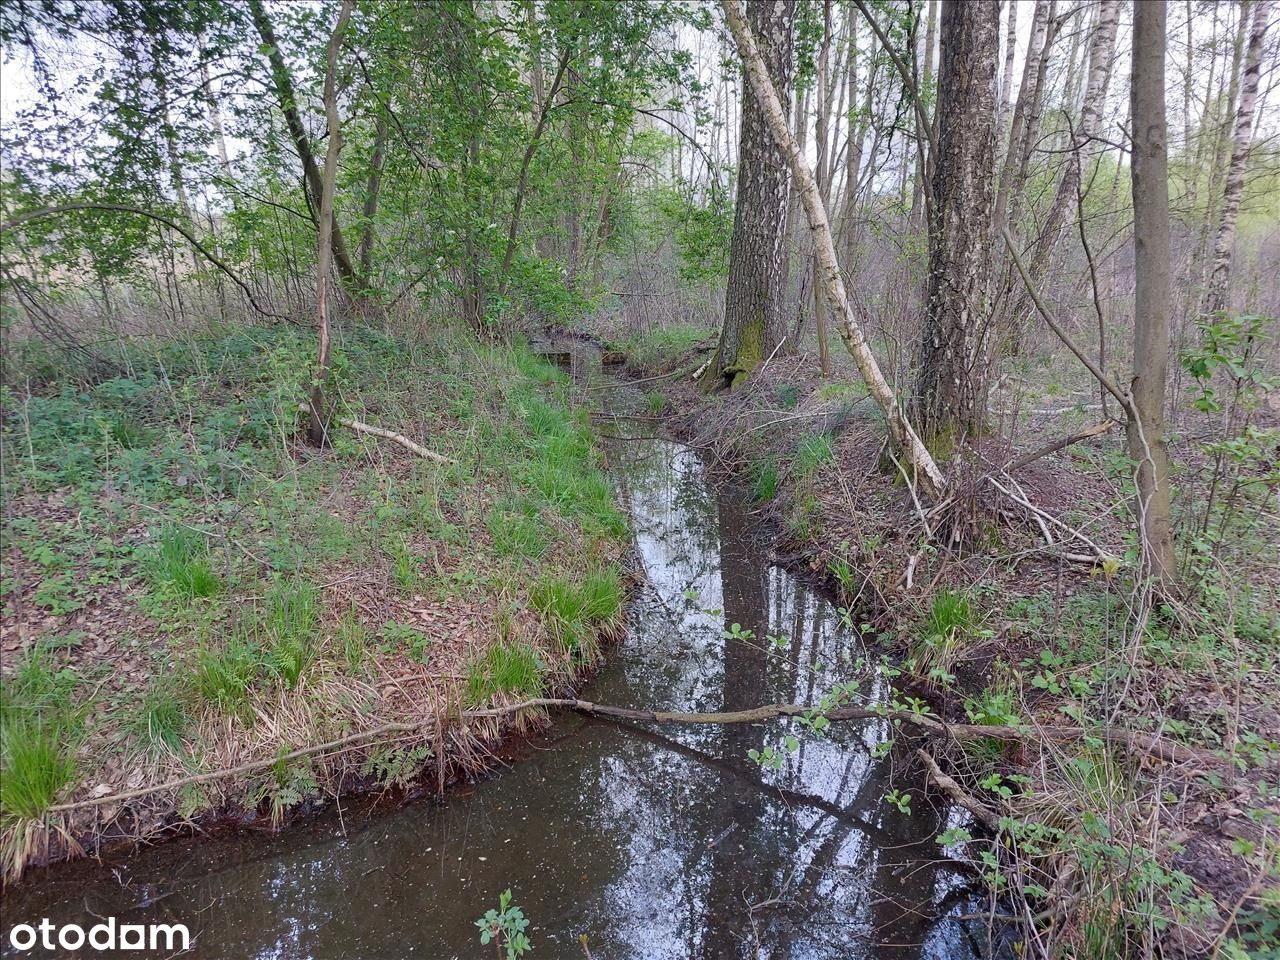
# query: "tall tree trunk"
{"points": [[950, 394], [1150, 178], [824, 186], [283, 82], [1023, 108], [1006, 79], [1215, 298], [926, 84], [318, 418], [918, 461], [754, 326], [364, 253]]}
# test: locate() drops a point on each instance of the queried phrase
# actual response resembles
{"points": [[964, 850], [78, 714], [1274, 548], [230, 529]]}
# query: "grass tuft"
{"points": [[180, 564], [513, 668]]}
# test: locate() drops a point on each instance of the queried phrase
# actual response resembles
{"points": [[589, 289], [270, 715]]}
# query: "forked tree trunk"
{"points": [[754, 326], [950, 394], [1150, 175], [318, 418], [1215, 298], [919, 462]]}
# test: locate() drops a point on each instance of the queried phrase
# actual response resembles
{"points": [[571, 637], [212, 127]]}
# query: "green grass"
{"points": [[513, 668], [292, 610], [518, 529], [37, 766], [164, 718], [39, 727], [660, 347], [225, 677], [180, 564], [765, 478], [947, 627], [575, 614], [812, 453]]}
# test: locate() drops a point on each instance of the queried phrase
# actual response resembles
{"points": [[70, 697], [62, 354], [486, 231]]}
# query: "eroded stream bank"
{"points": [[663, 843]]}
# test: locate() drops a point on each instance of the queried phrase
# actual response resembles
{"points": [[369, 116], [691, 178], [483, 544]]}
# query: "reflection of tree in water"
{"points": [[735, 870]]}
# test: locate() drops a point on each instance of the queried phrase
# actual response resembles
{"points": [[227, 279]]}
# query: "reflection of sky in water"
{"points": [[661, 843]]}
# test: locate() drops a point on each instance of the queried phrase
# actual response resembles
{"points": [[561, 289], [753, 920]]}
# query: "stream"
{"points": [[661, 842]]}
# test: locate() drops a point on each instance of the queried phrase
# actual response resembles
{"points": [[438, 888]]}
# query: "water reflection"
{"points": [[661, 843]]}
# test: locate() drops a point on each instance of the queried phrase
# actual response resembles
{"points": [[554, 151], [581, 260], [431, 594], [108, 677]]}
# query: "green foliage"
{"points": [[505, 927], [291, 611], [224, 677], [164, 717]]}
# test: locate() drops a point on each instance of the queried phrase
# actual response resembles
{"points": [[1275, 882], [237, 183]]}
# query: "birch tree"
{"points": [[923, 469], [1215, 297], [317, 419]]}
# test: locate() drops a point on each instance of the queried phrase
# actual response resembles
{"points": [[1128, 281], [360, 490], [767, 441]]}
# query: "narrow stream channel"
{"points": [[654, 843]]}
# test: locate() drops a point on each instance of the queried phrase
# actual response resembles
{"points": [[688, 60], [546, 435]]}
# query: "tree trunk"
{"points": [[283, 82], [824, 186], [364, 253], [1215, 298], [754, 326], [1040, 39], [1150, 179], [318, 420], [950, 390], [1006, 79], [926, 83], [919, 462], [1101, 51]]}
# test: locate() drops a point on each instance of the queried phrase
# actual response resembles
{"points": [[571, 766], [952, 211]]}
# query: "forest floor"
{"points": [[194, 598], [1101, 847]]}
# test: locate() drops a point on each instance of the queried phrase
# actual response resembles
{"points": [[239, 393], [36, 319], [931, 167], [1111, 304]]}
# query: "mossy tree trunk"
{"points": [[754, 326]]}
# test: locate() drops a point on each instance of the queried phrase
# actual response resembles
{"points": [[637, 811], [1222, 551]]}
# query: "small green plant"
{"points": [[224, 677], [900, 801], [505, 929], [180, 564], [289, 621]]}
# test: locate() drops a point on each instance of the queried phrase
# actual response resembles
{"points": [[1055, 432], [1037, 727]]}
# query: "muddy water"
{"points": [[654, 843]]}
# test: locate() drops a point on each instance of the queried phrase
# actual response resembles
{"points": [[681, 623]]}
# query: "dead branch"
{"points": [[1138, 744], [399, 438], [984, 814], [1055, 446]]}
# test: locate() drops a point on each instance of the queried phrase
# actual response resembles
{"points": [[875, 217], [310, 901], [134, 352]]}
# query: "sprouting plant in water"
{"points": [[900, 800], [505, 929], [737, 632]]}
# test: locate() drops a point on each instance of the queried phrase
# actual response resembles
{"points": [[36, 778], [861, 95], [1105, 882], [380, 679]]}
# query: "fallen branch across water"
{"points": [[1137, 744]]}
